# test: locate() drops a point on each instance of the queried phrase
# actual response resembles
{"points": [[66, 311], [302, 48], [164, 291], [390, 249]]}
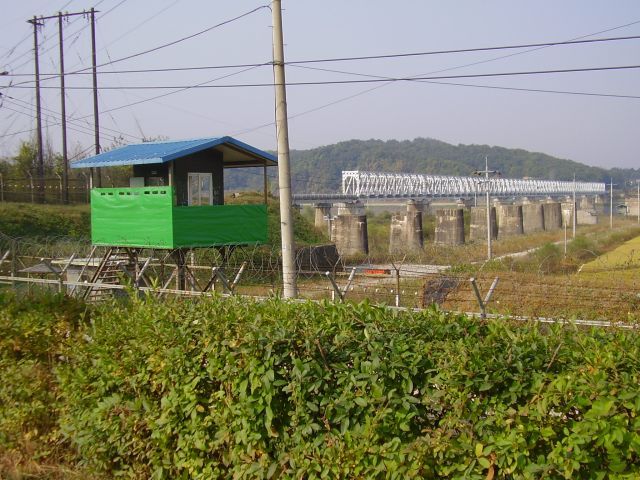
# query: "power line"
{"points": [[11, 50], [151, 70], [371, 80], [88, 130], [418, 80], [65, 38], [120, 107], [377, 87], [165, 45], [466, 50], [534, 90], [330, 60], [77, 130], [200, 85], [58, 116], [137, 26], [81, 60]]}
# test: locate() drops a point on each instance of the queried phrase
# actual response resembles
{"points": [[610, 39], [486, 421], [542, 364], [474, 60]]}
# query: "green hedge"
{"points": [[235, 389], [27, 220]]}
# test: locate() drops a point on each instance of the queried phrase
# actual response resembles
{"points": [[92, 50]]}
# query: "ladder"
{"points": [[115, 263]]}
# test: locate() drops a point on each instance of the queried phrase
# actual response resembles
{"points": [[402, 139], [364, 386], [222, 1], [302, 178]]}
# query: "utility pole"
{"points": [[611, 205], [638, 182], [96, 116], [486, 172], [37, 22], [284, 174], [574, 208], [63, 113], [40, 154], [565, 235]]}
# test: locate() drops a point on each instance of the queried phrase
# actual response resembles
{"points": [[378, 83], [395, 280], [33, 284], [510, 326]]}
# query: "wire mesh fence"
{"points": [[50, 190], [71, 265]]}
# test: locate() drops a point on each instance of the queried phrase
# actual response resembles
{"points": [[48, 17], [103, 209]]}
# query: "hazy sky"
{"points": [[593, 130]]}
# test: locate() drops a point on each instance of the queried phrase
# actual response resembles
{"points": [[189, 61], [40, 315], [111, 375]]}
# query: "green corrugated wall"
{"points": [[146, 217]]}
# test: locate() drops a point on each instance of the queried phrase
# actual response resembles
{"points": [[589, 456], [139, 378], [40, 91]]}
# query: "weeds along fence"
{"points": [[69, 265]]}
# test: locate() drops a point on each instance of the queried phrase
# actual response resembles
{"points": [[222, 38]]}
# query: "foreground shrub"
{"points": [[235, 389], [33, 332]]}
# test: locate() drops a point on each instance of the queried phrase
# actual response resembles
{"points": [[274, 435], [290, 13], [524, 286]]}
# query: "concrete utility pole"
{"points": [[63, 113], [486, 172], [284, 175], [611, 205], [574, 208], [96, 116], [40, 154], [65, 160]]}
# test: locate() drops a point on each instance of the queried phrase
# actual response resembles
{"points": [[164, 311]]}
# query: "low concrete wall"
{"points": [[587, 217]]}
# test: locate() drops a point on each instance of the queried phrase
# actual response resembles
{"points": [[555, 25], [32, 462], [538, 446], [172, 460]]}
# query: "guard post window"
{"points": [[200, 189]]}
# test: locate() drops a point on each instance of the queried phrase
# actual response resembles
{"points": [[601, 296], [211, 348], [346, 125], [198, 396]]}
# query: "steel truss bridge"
{"points": [[368, 185]]}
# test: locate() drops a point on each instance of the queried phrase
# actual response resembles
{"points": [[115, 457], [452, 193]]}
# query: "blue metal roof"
{"points": [[161, 152]]}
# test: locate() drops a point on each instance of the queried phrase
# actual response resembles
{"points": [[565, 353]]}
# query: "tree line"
{"points": [[319, 169]]}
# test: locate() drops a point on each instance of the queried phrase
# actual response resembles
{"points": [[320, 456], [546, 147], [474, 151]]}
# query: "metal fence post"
{"points": [[60, 187], [31, 185], [336, 289], [483, 302], [397, 270]]}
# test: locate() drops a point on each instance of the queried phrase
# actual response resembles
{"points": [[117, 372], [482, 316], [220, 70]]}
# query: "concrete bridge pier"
{"points": [[449, 226], [349, 229], [567, 212], [322, 215], [587, 211], [552, 212], [509, 220], [587, 203], [406, 232], [478, 224], [532, 216], [599, 202]]}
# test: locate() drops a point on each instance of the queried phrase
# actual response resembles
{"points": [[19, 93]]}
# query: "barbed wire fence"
{"points": [[68, 264], [27, 189]]}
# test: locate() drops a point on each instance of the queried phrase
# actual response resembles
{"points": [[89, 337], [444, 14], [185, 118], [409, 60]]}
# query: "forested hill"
{"points": [[319, 170]]}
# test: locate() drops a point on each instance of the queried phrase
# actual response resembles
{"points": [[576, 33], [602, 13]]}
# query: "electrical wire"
{"points": [[349, 82], [377, 87], [58, 116], [49, 76], [494, 87], [65, 38], [136, 102], [162, 46], [78, 128]]}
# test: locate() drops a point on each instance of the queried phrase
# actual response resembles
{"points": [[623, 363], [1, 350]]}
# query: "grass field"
{"points": [[622, 263]]}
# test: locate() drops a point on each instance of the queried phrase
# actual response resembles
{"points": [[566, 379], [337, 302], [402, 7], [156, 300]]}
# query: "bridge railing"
{"points": [[361, 184]]}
